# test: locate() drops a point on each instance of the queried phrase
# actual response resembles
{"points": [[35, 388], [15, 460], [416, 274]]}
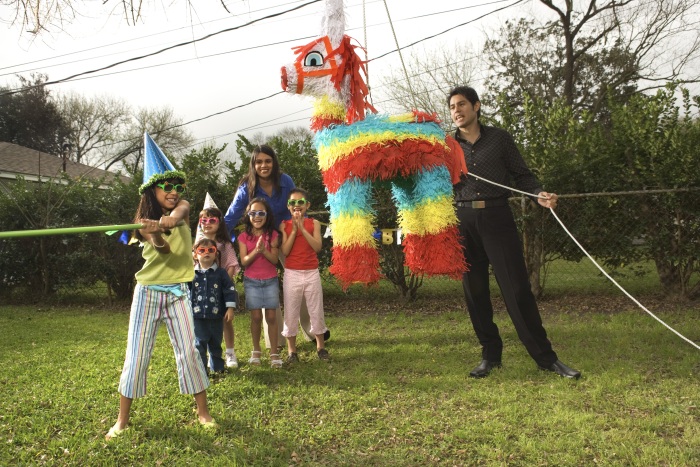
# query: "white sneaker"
{"points": [[231, 360]]}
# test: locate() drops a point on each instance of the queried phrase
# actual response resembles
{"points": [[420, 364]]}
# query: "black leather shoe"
{"points": [[484, 368], [562, 370]]}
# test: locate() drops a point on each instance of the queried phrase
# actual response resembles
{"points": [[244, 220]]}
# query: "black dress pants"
{"points": [[490, 236]]}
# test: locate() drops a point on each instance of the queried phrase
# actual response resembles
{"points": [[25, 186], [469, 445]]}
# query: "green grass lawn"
{"points": [[395, 393]]}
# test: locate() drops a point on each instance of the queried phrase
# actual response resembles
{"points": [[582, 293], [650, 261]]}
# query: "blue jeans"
{"points": [[208, 334], [261, 293]]}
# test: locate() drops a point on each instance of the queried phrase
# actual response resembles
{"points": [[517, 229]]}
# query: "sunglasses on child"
{"points": [[168, 187], [296, 202], [203, 250], [208, 220], [257, 213]]}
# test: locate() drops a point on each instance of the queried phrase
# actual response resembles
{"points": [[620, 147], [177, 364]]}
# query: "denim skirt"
{"points": [[261, 293]]}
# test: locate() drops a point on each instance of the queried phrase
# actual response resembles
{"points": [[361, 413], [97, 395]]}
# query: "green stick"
{"points": [[71, 230]]}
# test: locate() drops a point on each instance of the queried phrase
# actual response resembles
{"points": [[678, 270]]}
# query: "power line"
{"points": [[110, 45], [77, 77], [181, 44], [383, 55], [448, 30], [262, 124]]}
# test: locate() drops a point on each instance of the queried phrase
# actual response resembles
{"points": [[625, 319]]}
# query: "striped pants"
{"points": [[148, 309]]}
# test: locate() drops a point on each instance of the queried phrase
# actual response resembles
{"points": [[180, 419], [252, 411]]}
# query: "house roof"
{"points": [[32, 164]]}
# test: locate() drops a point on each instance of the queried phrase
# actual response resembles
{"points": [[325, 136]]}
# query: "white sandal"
{"points": [[275, 360], [255, 357]]}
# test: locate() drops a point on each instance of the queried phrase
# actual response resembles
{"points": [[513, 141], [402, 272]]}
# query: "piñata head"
{"points": [[329, 69]]}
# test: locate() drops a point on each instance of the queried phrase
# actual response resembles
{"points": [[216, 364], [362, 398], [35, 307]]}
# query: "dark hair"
{"points": [[303, 192], [149, 208], [204, 241], [222, 235], [269, 225], [252, 176], [468, 93]]}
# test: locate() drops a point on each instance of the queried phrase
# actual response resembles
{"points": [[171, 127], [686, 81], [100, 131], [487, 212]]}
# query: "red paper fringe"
{"points": [[385, 162], [353, 66], [455, 160], [438, 254], [422, 117], [355, 264], [319, 123]]}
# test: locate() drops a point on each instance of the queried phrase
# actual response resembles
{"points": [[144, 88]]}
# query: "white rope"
{"points": [[403, 65], [366, 47], [595, 263]]}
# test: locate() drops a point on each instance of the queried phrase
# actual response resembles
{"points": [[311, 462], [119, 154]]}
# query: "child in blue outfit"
{"points": [[214, 299]]}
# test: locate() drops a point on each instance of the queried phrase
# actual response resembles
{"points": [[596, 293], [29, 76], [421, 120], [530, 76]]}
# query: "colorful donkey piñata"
{"points": [[355, 149]]}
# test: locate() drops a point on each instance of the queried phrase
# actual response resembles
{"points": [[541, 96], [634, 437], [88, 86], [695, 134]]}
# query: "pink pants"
{"points": [[300, 285]]}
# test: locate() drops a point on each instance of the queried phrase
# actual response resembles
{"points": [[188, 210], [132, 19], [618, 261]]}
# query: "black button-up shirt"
{"points": [[493, 156]]}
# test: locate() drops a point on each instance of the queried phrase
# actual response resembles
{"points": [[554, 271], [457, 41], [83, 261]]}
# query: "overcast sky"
{"points": [[233, 68]]}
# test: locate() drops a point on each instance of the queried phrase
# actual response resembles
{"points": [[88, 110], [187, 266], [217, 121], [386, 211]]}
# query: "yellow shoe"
{"points": [[210, 425], [114, 432]]}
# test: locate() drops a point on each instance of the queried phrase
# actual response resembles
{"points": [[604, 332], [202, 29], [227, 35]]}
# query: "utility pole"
{"points": [[66, 152]]}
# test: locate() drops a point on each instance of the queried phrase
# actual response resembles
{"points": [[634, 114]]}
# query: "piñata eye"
{"points": [[313, 59]]}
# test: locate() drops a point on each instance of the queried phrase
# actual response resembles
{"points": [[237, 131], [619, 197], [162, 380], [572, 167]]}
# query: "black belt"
{"points": [[486, 203]]}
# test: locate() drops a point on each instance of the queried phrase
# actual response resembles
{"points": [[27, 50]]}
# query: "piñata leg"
{"points": [[426, 215], [354, 255]]}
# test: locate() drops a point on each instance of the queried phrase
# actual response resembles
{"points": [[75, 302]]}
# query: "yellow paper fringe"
{"points": [[326, 108], [402, 118], [353, 229], [431, 217]]}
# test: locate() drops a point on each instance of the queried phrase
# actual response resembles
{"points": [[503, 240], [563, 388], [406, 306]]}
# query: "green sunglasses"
{"points": [[296, 202], [168, 187]]}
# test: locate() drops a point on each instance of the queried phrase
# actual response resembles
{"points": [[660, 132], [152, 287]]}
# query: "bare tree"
{"points": [[94, 124], [37, 16], [294, 134], [163, 126], [594, 48], [430, 76]]}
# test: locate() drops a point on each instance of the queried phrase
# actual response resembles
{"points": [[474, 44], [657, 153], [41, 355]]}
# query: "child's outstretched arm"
{"points": [[153, 232], [181, 212]]}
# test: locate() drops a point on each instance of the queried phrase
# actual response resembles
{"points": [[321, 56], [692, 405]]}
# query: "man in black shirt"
{"points": [[490, 236]]}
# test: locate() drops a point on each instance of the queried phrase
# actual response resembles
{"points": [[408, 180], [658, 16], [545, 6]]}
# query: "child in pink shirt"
{"points": [[259, 250]]}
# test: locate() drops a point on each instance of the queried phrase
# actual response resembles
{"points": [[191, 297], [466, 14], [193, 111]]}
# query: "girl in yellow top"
{"points": [[161, 294]]}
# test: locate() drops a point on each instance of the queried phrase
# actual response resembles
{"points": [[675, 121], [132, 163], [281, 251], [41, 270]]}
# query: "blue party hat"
{"points": [[156, 166]]}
